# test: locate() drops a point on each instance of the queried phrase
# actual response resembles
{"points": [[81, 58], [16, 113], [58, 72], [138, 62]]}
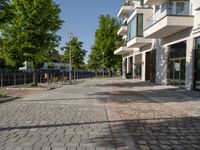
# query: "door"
{"points": [[148, 66], [177, 71]]}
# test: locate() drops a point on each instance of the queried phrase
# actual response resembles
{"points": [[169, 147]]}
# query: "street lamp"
{"points": [[70, 58]]}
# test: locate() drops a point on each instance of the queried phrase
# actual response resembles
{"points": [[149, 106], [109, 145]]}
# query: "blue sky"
{"points": [[81, 18]]}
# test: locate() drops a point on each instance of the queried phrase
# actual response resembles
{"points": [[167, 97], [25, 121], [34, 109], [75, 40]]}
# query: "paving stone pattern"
{"points": [[71, 117], [103, 114], [158, 117]]}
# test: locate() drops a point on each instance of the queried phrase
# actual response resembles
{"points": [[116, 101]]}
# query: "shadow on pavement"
{"points": [[159, 133], [147, 93], [9, 99]]}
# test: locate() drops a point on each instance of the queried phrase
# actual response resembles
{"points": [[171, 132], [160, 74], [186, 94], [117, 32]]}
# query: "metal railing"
{"points": [[127, 3], [15, 77], [176, 8]]}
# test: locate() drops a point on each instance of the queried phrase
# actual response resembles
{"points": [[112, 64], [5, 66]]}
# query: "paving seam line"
{"points": [[128, 140]]}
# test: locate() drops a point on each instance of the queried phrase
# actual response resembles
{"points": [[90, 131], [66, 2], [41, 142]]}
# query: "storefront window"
{"points": [[197, 65]]}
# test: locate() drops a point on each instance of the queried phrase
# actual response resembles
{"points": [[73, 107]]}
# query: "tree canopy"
{"points": [[77, 53], [31, 33], [102, 51]]}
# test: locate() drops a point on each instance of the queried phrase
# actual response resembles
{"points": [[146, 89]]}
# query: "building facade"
{"points": [[161, 41]]}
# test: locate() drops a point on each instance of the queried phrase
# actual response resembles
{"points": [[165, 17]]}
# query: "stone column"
{"points": [[128, 65], [143, 66], [123, 68], [189, 75], [162, 53]]}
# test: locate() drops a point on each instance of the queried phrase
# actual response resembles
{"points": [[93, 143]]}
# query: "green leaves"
{"points": [[77, 53], [102, 52], [32, 31]]}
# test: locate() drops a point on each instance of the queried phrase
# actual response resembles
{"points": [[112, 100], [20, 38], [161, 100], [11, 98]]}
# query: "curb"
{"points": [[8, 99]]}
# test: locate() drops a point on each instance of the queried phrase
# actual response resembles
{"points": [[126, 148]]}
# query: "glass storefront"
{"points": [[137, 67], [177, 64], [197, 65]]}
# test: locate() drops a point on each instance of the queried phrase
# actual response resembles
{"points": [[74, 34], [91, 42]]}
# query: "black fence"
{"points": [[13, 77]]}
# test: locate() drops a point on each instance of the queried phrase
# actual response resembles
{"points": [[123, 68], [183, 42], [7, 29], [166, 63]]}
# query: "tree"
{"points": [[105, 44], [54, 56], [94, 61], [31, 33], [6, 13], [77, 53]]}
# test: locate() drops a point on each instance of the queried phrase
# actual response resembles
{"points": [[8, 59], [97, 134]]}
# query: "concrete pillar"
{"points": [[189, 76], [143, 66], [128, 65], [133, 66], [161, 62], [123, 68]]}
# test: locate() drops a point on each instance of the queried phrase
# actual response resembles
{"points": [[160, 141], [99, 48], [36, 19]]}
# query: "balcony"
{"points": [[122, 50], [154, 2], [173, 17], [125, 8], [123, 30], [138, 42]]}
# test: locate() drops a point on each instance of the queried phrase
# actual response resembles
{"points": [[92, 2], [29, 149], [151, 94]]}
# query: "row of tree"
{"points": [[28, 33]]}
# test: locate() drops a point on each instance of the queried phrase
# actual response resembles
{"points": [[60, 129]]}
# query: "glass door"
{"points": [[177, 71]]}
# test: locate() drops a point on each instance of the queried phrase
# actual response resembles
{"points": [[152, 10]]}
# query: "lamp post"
{"points": [[70, 58]]}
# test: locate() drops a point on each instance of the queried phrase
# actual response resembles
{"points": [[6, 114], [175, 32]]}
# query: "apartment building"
{"points": [[162, 41]]}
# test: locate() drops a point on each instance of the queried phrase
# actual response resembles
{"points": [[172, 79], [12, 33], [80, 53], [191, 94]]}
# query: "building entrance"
{"points": [[137, 67], [177, 64], [177, 71]]}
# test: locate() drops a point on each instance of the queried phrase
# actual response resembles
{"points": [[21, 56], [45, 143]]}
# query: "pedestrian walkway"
{"points": [[102, 114], [157, 117]]}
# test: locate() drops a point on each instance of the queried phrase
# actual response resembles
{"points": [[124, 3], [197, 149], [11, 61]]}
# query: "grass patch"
{"points": [[3, 95]]}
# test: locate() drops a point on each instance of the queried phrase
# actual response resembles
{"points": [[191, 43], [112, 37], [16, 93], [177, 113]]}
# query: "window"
{"points": [[135, 27], [140, 25]]}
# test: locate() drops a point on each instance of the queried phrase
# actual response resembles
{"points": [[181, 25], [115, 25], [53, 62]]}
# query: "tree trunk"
{"points": [[74, 75], [95, 73], [110, 72], [35, 74]]}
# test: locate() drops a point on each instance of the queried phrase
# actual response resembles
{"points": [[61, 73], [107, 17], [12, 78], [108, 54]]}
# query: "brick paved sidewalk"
{"points": [[69, 118], [157, 117], [103, 114]]}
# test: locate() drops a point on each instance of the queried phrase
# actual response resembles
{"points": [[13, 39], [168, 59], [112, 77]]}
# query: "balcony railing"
{"points": [[176, 8], [127, 3]]}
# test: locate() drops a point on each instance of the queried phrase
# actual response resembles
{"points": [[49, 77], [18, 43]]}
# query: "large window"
{"points": [[197, 65], [135, 27]]}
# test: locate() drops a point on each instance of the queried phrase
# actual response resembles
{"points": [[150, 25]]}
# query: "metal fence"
{"points": [[15, 77], [10, 77]]}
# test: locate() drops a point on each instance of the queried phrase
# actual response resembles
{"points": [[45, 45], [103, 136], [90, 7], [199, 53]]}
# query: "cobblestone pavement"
{"points": [[109, 114], [71, 117], [157, 117]]}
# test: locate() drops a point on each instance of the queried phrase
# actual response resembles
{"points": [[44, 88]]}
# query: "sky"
{"points": [[81, 18]]}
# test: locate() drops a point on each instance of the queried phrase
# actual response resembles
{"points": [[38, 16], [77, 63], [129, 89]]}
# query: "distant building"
{"points": [[62, 67]]}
